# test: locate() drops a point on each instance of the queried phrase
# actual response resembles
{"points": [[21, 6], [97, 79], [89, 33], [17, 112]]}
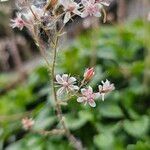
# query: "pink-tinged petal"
{"points": [[97, 95], [67, 17], [103, 96], [107, 87], [92, 1], [80, 99], [77, 12], [107, 82], [84, 2], [59, 79], [92, 103], [18, 22], [60, 91], [73, 87], [97, 14], [76, 87], [83, 91], [90, 90], [84, 14], [71, 80], [88, 74], [65, 77], [64, 2], [100, 88], [112, 87]]}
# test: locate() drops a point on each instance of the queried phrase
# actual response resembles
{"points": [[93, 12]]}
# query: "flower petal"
{"points": [[59, 79], [100, 88], [77, 12], [97, 14], [90, 90], [65, 77], [97, 95], [60, 91], [103, 96], [80, 99], [83, 91], [73, 87], [71, 80], [67, 17], [92, 103], [84, 14]]}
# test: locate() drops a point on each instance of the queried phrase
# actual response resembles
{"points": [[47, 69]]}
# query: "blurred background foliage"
{"points": [[120, 53]]}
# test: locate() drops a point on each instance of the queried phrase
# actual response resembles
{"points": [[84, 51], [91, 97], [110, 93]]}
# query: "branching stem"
{"points": [[75, 143]]}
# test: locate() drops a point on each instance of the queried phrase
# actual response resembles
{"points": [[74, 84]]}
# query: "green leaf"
{"points": [[139, 146], [76, 123], [110, 111], [104, 141], [137, 128]]}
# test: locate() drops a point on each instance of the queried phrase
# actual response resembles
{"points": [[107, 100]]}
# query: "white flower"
{"points": [[69, 7], [91, 8], [67, 83], [27, 123], [105, 88], [18, 22], [87, 97], [30, 15]]}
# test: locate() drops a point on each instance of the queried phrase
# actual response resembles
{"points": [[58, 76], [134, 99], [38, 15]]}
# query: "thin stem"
{"points": [[75, 143], [51, 132], [53, 78]]}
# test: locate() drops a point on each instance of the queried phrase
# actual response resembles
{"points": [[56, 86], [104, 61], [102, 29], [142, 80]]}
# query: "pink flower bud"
{"points": [[89, 73]]}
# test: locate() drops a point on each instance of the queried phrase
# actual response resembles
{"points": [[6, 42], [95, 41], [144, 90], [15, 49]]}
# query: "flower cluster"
{"points": [[84, 93], [34, 15]]}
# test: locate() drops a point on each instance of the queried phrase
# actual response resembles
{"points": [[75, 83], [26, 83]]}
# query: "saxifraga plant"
{"points": [[45, 17]]}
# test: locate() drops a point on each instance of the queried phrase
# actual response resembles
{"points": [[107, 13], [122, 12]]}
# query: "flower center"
{"points": [[20, 21], [65, 84]]}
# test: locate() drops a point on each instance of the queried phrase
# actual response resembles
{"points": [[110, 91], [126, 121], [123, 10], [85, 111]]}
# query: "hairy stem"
{"points": [[75, 143]]}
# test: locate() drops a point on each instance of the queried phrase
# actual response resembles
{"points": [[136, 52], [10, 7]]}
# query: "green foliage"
{"points": [[121, 122]]}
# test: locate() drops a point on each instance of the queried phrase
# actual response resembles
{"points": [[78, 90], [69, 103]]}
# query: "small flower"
{"points": [[105, 88], [70, 7], [87, 97], [91, 8], [27, 123], [36, 13], [67, 83], [89, 73], [18, 22]]}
